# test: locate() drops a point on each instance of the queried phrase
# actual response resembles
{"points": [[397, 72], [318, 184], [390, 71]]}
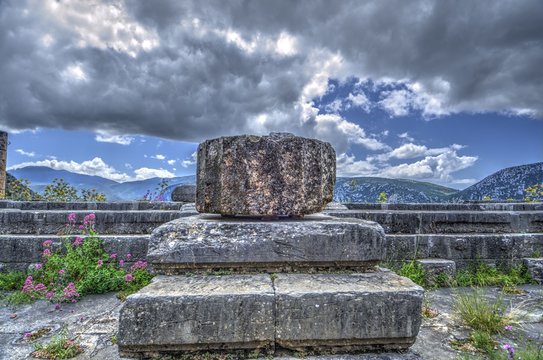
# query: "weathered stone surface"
{"points": [[438, 268], [279, 174], [211, 241], [190, 313], [485, 206], [88, 205], [367, 311], [449, 222], [184, 193], [535, 268]]}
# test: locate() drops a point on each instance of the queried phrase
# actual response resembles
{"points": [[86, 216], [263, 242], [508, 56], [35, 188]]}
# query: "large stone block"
{"points": [[368, 311], [198, 313], [279, 174], [316, 241]]}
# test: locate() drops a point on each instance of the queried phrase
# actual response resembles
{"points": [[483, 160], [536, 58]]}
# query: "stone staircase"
{"points": [[495, 233], [123, 226]]}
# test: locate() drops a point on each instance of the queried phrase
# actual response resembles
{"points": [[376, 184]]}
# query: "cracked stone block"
{"points": [[347, 312], [275, 175], [198, 313], [316, 241], [535, 268], [438, 271]]}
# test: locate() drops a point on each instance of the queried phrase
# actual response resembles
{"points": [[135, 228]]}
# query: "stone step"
{"points": [[317, 312], [89, 205], [481, 206], [535, 268], [214, 242], [449, 222], [14, 221], [18, 252], [464, 249]]}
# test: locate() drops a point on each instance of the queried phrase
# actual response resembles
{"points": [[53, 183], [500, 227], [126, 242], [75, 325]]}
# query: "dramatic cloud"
{"points": [[193, 70], [147, 173]]}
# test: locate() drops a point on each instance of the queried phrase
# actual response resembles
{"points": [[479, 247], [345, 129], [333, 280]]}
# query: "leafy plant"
{"points": [[480, 314], [12, 280], [481, 274], [19, 190], [534, 193], [414, 271], [92, 195], [60, 190], [82, 268], [60, 347], [383, 197]]}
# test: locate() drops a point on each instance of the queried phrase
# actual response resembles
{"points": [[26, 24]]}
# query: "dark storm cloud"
{"points": [[192, 70]]}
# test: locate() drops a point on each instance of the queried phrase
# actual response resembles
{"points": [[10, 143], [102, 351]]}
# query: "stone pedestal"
{"points": [[241, 284]]}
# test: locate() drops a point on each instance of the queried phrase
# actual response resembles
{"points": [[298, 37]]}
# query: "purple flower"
{"points": [[100, 262], [72, 217], [140, 264], [28, 334], [510, 351], [28, 286], [49, 295], [57, 306], [40, 287], [61, 271], [78, 241], [46, 252], [128, 256], [113, 256], [47, 243], [81, 227], [508, 327], [38, 266], [128, 278], [121, 262]]}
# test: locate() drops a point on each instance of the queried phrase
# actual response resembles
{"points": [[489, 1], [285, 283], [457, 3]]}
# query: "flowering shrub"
{"points": [[159, 194], [83, 268]]}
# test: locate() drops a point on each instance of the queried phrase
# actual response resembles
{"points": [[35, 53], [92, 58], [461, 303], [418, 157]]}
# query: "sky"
{"points": [[442, 91]]}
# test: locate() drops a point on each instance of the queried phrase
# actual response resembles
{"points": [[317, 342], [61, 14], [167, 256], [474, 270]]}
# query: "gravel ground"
{"points": [[94, 321]]}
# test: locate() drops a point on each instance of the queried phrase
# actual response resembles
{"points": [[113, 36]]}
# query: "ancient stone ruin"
{"points": [[3, 160], [242, 284]]}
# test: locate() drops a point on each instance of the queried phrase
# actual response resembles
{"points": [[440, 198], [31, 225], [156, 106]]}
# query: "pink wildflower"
{"points": [[38, 266], [46, 252], [47, 243], [113, 256], [78, 241], [57, 306], [128, 278], [28, 286], [121, 262], [140, 264], [40, 287], [100, 262], [508, 327], [128, 256], [28, 334], [81, 227], [72, 217], [49, 295], [70, 291], [61, 271]]}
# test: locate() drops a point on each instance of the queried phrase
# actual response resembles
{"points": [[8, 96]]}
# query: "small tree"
{"points": [[383, 198], [534, 193], [92, 195], [59, 190]]}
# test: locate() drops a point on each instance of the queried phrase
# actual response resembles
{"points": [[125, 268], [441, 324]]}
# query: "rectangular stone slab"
{"points": [[195, 313], [211, 241], [347, 312]]}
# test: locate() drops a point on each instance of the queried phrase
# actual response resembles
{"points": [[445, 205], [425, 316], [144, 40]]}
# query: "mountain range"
{"points": [[505, 184]]}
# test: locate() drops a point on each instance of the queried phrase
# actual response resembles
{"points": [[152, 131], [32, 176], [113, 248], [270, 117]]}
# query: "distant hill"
{"points": [[41, 176], [508, 183], [504, 184], [367, 190]]}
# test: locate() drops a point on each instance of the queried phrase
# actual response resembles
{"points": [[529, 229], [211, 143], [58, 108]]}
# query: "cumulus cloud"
{"points": [[191, 70], [158, 157], [190, 161], [26, 153], [148, 173], [96, 166]]}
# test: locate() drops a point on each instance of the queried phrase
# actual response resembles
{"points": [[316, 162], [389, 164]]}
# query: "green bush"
{"points": [[480, 314], [82, 268]]}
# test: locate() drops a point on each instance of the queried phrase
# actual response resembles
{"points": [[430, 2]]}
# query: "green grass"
{"points": [[414, 271], [481, 274], [60, 347], [12, 280], [477, 312]]}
